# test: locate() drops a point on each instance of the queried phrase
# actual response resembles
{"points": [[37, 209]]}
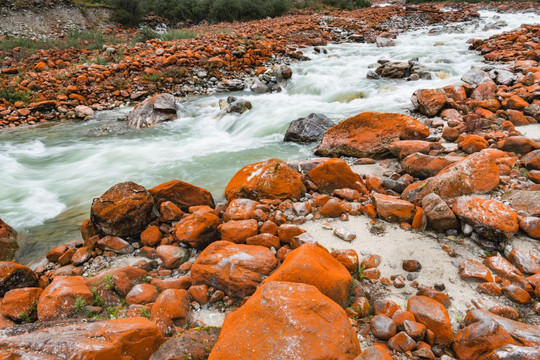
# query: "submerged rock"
{"points": [[308, 129], [154, 110]]}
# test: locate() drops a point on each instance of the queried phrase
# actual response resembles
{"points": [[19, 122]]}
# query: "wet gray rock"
{"points": [[233, 85], [502, 77], [394, 70], [259, 87], [308, 129], [234, 105], [154, 110], [475, 77], [384, 42]]}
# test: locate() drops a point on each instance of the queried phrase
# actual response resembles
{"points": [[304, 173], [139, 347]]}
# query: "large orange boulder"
{"points": [[198, 229], [429, 101], [434, 316], [477, 173], [370, 134], [490, 218], [333, 174], [423, 166], [392, 209], [480, 339], [287, 321], [182, 194], [58, 299], [312, 264], [270, 179], [123, 210], [14, 276], [8, 242], [20, 304], [134, 338], [236, 269]]}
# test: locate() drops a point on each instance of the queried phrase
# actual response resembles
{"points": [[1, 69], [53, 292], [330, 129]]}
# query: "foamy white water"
{"points": [[51, 174]]}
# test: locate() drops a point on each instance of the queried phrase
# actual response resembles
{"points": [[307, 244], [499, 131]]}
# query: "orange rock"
{"points": [[234, 268], [531, 226], [532, 160], [436, 295], [484, 91], [271, 179], [198, 229], [516, 294], [376, 351], [240, 209], [333, 174], [237, 231], [518, 145], [151, 236], [505, 311], [400, 316], [480, 339], [170, 310], [526, 263], [58, 299], [332, 208], [169, 212], [506, 270], [287, 232], [8, 242], [382, 327], [393, 209], [430, 101], [123, 210], [434, 316], [402, 342], [472, 269], [348, 258], [182, 194], [55, 254], [423, 166], [279, 310], [135, 338], [370, 134], [121, 279], [385, 307], [20, 303], [82, 255], [415, 330], [371, 261], [490, 218], [114, 243], [142, 294], [515, 102], [311, 264], [266, 240], [473, 143], [477, 173], [14, 276]]}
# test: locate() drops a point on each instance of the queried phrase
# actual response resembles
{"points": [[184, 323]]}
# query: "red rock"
{"points": [[170, 310], [505, 311], [14, 276], [400, 316], [477, 173], [82, 255], [266, 240], [392, 209], [240, 209], [269, 227], [490, 288], [438, 213], [369, 135], [311, 264], [121, 279], [423, 166], [504, 269], [472, 269], [142, 294], [436, 295], [361, 306], [18, 303], [450, 133], [348, 258], [169, 212], [199, 293], [287, 232], [415, 330], [385, 307], [135, 338], [271, 179], [434, 316], [65, 259], [182, 194], [116, 244], [531, 226], [518, 144], [527, 335], [237, 231], [402, 342], [516, 103], [198, 229], [333, 174], [411, 265], [58, 299], [183, 282], [516, 117], [375, 352], [382, 327], [480, 339], [473, 143], [151, 236], [278, 311], [123, 210], [371, 261], [516, 294], [55, 254], [332, 208], [430, 101], [8, 242], [484, 91], [172, 256], [490, 218], [526, 263], [234, 268], [372, 274], [532, 160]]}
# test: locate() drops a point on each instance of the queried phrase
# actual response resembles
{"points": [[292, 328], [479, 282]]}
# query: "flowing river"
{"points": [[51, 173]]}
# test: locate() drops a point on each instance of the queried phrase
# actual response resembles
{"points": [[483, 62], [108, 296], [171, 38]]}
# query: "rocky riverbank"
{"points": [[421, 243]]}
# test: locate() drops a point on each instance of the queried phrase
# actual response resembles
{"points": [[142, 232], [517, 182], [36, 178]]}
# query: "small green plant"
{"points": [[109, 282], [146, 279], [33, 307], [153, 77], [25, 318], [79, 305], [98, 300], [360, 273], [144, 312]]}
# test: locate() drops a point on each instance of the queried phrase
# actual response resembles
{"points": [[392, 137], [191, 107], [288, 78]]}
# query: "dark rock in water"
{"points": [[193, 344], [8, 242], [152, 111], [258, 87], [234, 105], [308, 129], [394, 70]]}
